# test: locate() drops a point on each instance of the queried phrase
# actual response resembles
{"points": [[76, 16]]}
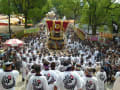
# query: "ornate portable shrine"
{"points": [[56, 34]]}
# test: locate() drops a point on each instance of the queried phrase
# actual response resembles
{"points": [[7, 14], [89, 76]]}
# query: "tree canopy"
{"points": [[95, 13], [32, 9]]}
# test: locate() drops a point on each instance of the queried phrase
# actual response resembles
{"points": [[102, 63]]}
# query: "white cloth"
{"points": [[101, 77], [30, 74], [116, 85], [8, 79], [117, 75], [81, 73], [91, 83], [24, 69], [69, 80], [51, 77], [37, 83]]}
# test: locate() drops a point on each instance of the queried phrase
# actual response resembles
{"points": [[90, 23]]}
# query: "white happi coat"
{"points": [[69, 80], [101, 77], [8, 79], [91, 83], [37, 83], [116, 85]]}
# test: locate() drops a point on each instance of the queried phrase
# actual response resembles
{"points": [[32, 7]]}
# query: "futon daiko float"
{"points": [[56, 34]]}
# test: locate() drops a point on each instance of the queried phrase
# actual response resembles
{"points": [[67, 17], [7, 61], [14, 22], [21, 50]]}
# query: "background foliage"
{"points": [[95, 13]]}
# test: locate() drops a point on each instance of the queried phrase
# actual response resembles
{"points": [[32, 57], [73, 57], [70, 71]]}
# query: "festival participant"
{"points": [[69, 79], [53, 68], [117, 74], [54, 76], [57, 61], [97, 66], [37, 82], [101, 77], [1, 64], [91, 82], [8, 77], [24, 69], [51, 76], [108, 70], [116, 85], [81, 73], [31, 73], [79, 70]]}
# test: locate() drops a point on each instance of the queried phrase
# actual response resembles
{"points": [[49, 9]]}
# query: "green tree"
{"points": [[5, 8], [69, 8], [96, 13], [58, 5], [30, 8], [36, 14], [113, 15]]}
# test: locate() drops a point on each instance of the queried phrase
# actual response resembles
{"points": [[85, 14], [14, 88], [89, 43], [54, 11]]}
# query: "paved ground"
{"points": [[4, 29], [21, 86]]}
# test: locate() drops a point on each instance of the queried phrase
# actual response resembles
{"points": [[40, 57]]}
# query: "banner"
{"points": [[106, 35], [32, 30], [57, 25], [49, 25], [80, 33], [65, 25], [94, 38]]}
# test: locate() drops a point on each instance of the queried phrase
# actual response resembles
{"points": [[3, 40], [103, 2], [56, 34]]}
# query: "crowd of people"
{"points": [[82, 65]]}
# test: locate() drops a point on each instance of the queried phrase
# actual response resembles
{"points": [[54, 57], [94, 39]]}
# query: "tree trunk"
{"points": [[26, 20], [94, 27]]}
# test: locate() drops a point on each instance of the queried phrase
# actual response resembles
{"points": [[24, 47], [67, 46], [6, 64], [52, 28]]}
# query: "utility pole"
{"points": [[9, 19]]}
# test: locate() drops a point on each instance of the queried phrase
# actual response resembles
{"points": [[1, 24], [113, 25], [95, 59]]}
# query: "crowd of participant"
{"points": [[82, 65]]}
